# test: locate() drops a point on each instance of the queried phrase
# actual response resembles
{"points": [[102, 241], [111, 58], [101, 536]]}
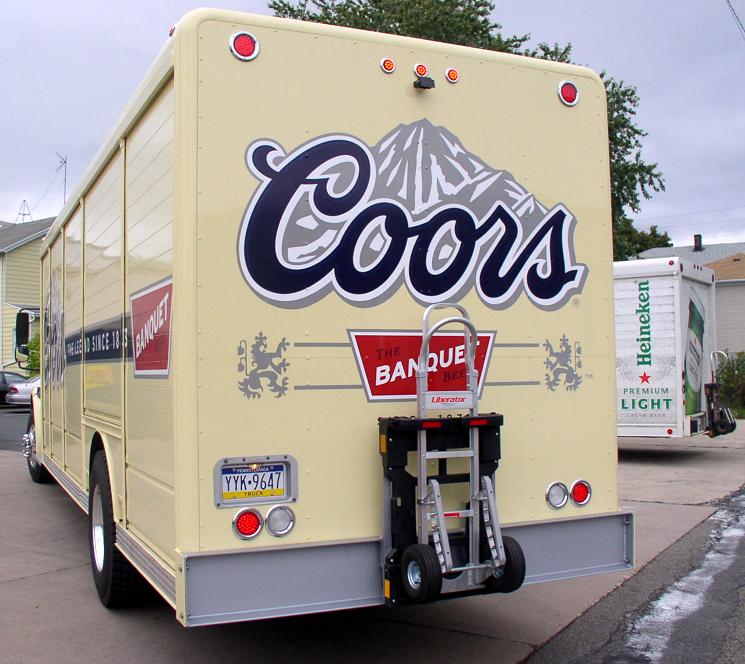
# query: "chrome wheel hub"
{"points": [[97, 534], [414, 574], [28, 442]]}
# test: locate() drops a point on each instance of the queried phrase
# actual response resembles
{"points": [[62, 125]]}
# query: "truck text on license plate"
{"points": [[253, 481]]}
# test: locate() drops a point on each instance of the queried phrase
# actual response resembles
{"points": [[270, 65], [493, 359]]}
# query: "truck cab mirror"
{"points": [[23, 322]]}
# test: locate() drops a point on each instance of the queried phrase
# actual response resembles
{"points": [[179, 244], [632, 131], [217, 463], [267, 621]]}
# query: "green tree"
{"points": [[32, 364], [468, 22], [631, 177], [731, 379]]}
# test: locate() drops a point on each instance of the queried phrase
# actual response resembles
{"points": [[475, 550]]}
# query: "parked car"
{"points": [[19, 393]]}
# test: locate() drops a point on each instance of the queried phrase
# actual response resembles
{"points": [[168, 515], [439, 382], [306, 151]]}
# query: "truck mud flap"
{"points": [[274, 582], [576, 547]]}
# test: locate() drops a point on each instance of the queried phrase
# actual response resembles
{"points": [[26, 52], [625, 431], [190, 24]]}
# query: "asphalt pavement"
{"points": [[686, 504], [13, 420]]}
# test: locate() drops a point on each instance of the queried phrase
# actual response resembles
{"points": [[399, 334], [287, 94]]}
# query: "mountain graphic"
{"points": [[423, 166]]}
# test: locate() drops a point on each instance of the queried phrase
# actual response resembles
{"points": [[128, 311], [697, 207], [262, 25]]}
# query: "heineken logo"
{"points": [[644, 356]]}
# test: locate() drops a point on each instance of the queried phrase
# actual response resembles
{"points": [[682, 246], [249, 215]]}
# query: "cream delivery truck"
{"points": [[328, 324], [666, 357]]}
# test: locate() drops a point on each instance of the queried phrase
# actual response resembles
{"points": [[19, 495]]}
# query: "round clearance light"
{"points": [[581, 492], [280, 520], [247, 524], [244, 46], [452, 75], [421, 70], [388, 65], [568, 93], [557, 495]]}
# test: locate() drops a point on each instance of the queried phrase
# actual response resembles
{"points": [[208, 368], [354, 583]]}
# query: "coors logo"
{"points": [[417, 208]]}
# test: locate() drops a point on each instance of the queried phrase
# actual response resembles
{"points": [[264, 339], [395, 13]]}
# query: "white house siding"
{"points": [[20, 279], [6, 326], [731, 315]]}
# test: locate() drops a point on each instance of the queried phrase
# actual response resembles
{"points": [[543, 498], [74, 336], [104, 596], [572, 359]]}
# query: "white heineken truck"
{"points": [[666, 350], [328, 324]]}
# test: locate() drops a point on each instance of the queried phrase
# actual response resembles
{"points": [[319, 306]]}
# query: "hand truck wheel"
{"points": [[421, 575]]}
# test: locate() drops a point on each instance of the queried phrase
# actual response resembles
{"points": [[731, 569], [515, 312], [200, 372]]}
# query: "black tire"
{"points": [[36, 469], [514, 570], [117, 582], [421, 575], [721, 427]]}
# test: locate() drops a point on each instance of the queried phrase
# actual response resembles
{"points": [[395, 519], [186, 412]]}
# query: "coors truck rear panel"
{"points": [[237, 359]]}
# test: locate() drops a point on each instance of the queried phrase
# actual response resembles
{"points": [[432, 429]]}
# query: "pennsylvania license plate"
{"points": [[253, 481]]}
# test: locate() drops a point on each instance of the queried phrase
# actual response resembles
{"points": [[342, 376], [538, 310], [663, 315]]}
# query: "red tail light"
{"points": [[248, 523], [244, 46], [581, 492], [568, 93]]}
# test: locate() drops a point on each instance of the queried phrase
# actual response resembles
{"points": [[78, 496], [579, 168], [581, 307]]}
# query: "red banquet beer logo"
{"points": [[151, 329], [388, 362]]}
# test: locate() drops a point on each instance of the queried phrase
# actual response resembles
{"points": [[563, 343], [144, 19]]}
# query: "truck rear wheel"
{"points": [[513, 573], [38, 473], [420, 573], [117, 581]]}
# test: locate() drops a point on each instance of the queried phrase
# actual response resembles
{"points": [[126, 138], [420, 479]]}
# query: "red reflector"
{"points": [[421, 70], [244, 46], [388, 65], [580, 492], [568, 93], [479, 423], [669, 432], [248, 523], [432, 425]]}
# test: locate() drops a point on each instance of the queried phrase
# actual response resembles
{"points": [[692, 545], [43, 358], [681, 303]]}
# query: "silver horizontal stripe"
{"points": [[328, 387], [75, 492], [163, 579]]}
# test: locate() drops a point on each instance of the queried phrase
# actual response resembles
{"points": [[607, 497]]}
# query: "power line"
{"points": [[46, 191], [690, 214], [697, 223], [737, 19]]}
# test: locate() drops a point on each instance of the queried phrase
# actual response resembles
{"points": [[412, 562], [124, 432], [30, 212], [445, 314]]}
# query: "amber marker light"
{"points": [[388, 65], [452, 75], [421, 70]]}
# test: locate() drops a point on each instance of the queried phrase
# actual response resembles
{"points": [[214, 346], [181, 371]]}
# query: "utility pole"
{"points": [[63, 165], [24, 212]]}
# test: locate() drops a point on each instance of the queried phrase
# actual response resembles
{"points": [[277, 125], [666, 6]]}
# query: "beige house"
{"points": [[730, 276], [728, 262], [19, 279]]}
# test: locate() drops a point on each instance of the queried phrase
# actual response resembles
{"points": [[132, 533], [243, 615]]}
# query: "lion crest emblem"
{"points": [[266, 368], [562, 364]]}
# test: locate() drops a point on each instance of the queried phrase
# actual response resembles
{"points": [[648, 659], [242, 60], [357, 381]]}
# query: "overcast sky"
{"points": [[68, 68]]}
